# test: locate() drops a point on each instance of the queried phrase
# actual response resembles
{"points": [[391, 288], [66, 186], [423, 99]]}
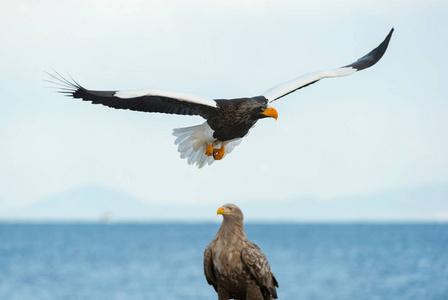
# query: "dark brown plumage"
{"points": [[234, 266]]}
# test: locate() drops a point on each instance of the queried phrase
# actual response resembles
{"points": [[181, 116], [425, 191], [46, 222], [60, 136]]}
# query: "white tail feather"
{"points": [[193, 141]]}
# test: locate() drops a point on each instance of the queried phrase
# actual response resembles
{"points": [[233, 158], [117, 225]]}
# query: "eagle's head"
{"points": [[230, 211], [267, 112]]}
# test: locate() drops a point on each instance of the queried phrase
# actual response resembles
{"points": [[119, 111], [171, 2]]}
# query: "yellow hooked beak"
{"points": [[270, 112], [222, 211]]}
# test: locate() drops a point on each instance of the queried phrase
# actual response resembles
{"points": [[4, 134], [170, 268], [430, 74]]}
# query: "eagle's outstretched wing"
{"points": [[293, 85], [146, 100]]}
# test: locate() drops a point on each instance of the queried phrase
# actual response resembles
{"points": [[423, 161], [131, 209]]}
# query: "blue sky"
{"points": [[378, 130]]}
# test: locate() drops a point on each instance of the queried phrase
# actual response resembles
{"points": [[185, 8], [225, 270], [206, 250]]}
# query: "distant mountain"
{"points": [[87, 203], [101, 204], [429, 203], [93, 203]]}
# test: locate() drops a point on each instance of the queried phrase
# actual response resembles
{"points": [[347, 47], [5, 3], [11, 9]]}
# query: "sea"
{"points": [[136, 261]]}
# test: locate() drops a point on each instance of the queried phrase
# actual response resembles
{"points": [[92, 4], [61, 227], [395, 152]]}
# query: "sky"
{"points": [[379, 130]]}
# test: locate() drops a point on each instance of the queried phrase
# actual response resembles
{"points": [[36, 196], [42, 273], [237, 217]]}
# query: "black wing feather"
{"points": [[373, 56], [151, 103]]}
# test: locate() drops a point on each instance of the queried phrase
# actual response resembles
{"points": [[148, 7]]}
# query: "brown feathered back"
{"points": [[234, 266]]}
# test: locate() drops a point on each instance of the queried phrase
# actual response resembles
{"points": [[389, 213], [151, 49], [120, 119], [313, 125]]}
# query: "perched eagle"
{"points": [[236, 267], [228, 121]]}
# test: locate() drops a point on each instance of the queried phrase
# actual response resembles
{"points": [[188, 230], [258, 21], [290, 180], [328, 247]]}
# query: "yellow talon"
{"points": [[209, 150], [219, 153]]}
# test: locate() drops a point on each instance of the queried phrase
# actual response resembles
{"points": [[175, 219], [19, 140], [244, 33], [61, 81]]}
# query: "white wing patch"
{"points": [[176, 95], [193, 141], [296, 83]]}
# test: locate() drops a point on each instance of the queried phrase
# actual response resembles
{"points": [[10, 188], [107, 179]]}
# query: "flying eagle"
{"points": [[233, 265], [227, 120]]}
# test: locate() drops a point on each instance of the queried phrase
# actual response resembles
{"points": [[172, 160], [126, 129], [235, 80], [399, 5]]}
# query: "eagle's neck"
{"points": [[227, 246], [232, 230]]}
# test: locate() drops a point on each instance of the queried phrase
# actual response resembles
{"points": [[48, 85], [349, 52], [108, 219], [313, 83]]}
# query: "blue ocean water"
{"points": [[164, 261]]}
